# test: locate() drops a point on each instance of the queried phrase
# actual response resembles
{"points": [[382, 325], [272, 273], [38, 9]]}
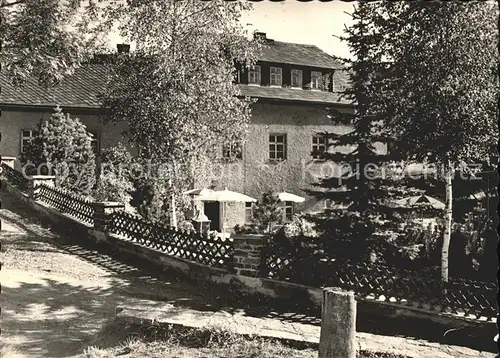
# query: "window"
{"points": [[231, 151], [316, 80], [277, 147], [319, 145], [95, 142], [288, 211], [276, 77], [254, 75], [248, 213], [297, 78], [27, 135]]}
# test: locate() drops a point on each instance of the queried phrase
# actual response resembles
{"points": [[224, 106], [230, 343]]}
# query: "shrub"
{"points": [[247, 229], [268, 214], [63, 147], [115, 182], [187, 226], [300, 227]]}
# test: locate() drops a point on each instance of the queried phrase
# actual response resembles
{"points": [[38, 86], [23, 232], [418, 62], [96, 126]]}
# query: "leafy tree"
{"points": [[443, 86], [46, 39], [176, 91], [362, 187], [63, 148]]}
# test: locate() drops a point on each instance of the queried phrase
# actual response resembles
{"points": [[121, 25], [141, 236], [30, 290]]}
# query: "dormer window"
{"points": [[276, 77], [254, 75], [297, 78], [316, 80]]}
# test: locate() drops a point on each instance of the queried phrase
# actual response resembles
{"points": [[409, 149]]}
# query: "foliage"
{"points": [[187, 226], [361, 192], [46, 39], [63, 147], [115, 178], [475, 228], [300, 227], [420, 244], [176, 91], [142, 197], [247, 229], [268, 213], [442, 114]]}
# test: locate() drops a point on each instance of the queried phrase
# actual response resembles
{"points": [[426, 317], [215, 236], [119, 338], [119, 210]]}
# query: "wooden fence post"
{"points": [[338, 324]]}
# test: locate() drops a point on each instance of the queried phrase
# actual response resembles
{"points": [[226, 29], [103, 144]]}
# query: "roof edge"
{"points": [[37, 107], [298, 101]]}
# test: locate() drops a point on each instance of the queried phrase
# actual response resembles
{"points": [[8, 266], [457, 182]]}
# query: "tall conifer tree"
{"points": [[361, 193]]}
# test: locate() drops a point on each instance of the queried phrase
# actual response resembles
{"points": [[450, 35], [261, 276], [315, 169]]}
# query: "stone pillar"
{"points": [[102, 210], [248, 253], [338, 324], [10, 161], [36, 180]]}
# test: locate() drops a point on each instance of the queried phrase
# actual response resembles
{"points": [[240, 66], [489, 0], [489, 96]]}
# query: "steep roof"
{"points": [[81, 89], [78, 90], [297, 54]]}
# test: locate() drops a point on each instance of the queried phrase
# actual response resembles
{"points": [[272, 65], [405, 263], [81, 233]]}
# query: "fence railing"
{"points": [[189, 245], [67, 203], [420, 288], [15, 177]]}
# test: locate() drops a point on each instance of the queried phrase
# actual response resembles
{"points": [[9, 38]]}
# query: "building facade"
{"points": [[295, 86]]}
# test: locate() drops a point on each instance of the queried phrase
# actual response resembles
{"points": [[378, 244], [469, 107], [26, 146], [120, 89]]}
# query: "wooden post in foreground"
{"points": [[338, 324]]}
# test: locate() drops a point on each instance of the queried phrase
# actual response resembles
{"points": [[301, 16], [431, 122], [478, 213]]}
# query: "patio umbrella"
{"points": [[419, 200], [224, 196], [478, 196], [199, 191], [284, 196]]}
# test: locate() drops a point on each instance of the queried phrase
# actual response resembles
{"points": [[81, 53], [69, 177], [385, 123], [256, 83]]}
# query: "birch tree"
{"points": [[176, 91], [444, 84]]}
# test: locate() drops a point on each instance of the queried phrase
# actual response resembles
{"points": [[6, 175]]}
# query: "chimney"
{"points": [[259, 35], [123, 48]]}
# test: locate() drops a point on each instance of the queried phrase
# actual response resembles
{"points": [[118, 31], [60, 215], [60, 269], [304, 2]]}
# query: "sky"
{"points": [[313, 23]]}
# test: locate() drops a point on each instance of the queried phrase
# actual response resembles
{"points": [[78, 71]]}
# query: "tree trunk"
{"points": [[447, 224], [173, 214]]}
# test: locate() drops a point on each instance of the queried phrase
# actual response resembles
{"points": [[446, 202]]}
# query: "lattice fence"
{"points": [[67, 203], [209, 251], [15, 177], [420, 288]]}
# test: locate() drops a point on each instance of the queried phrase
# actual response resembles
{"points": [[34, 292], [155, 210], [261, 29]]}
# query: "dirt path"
{"points": [[54, 301]]}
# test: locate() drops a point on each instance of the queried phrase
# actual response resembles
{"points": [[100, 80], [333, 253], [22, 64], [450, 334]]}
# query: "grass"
{"points": [[214, 342]]}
